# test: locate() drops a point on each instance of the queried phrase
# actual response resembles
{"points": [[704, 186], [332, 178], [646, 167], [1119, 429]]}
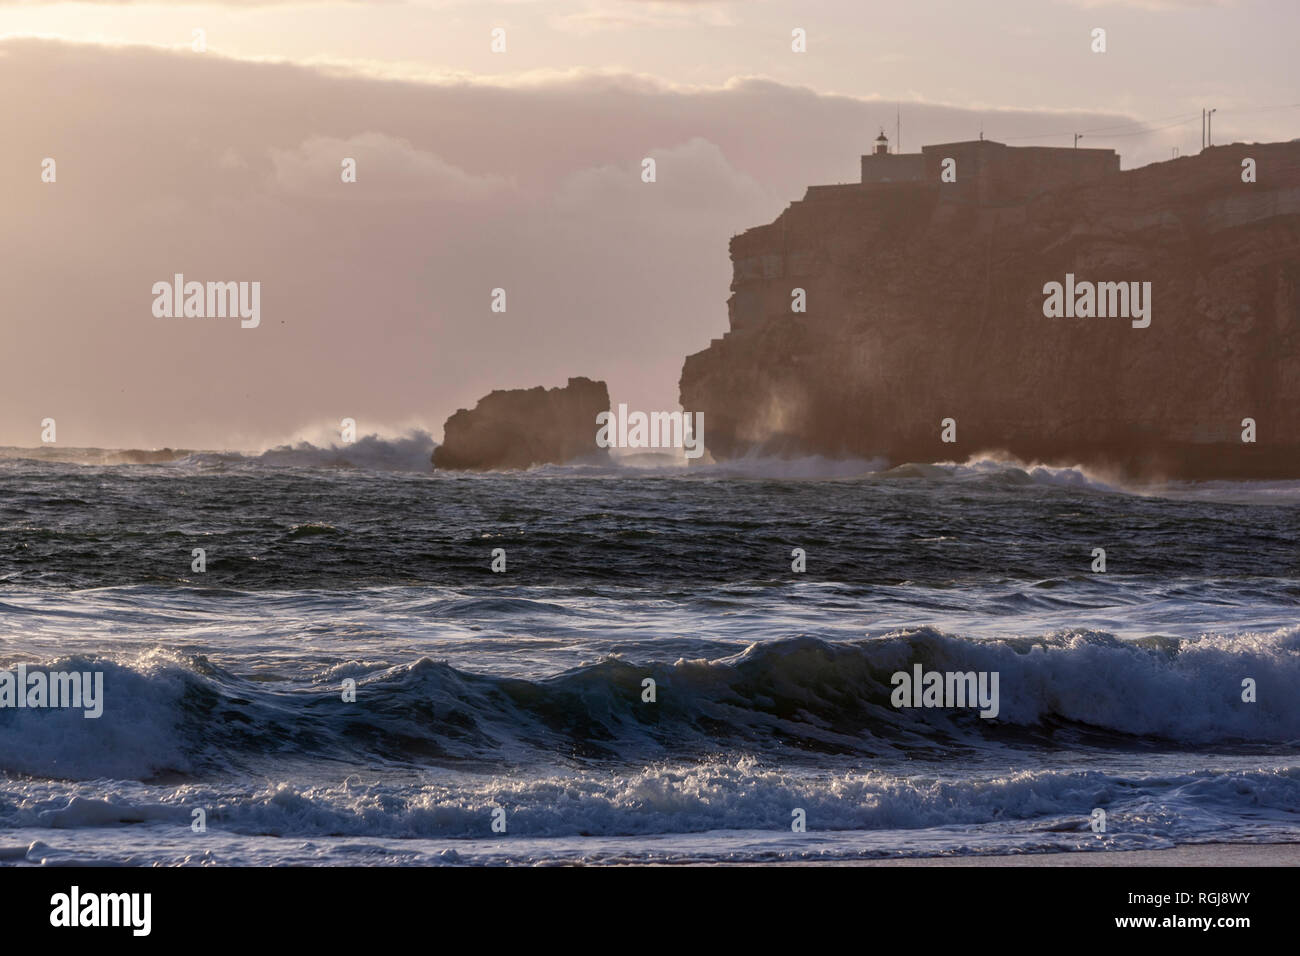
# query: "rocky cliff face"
{"points": [[923, 307], [522, 427]]}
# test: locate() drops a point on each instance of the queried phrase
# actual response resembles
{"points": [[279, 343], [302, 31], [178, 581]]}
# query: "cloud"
{"points": [[1157, 5], [388, 168], [228, 3], [692, 179], [378, 307], [642, 14]]}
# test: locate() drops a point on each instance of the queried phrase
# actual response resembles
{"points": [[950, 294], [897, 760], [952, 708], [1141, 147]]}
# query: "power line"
{"points": [[1181, 119], [1158, 119], [1267, 109], [1152, 129]]}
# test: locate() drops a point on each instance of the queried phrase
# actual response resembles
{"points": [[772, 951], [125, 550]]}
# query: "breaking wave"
{"points": [[412, 452], [1051, 807], [166, 714]]}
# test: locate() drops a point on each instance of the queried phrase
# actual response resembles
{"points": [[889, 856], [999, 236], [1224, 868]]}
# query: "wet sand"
{"points": [[1210, 854]]}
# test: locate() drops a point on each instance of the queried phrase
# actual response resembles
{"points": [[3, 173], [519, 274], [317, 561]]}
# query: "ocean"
{"points": [[504, 716]]}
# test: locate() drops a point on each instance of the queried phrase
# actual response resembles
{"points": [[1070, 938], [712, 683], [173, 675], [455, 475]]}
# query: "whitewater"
{"points": [[524, 691]]}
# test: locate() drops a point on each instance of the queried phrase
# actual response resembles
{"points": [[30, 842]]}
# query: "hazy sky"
{"points": [[520, 170]]}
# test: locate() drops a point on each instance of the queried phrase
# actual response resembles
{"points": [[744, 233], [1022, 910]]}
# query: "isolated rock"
{"points": [[140, 456], [522, 427], [925, 304]]}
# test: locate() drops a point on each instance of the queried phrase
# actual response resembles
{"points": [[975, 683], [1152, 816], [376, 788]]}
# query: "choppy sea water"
{"points": [[522, 691]]}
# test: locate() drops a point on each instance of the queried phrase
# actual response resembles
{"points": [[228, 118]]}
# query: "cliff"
{"points": [[522, 427], [926, 302]]}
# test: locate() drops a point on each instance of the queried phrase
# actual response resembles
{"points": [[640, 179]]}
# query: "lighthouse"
{"points": [[882, 143]]}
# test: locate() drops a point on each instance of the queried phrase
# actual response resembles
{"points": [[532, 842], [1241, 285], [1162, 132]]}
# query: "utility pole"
{"points": [[1209, 127], [1077, 137], [898, 128], [1202, 129]]}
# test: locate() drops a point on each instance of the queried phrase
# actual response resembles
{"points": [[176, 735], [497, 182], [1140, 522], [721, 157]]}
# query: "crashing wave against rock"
{"points": [[522, 427], [869, 314]]}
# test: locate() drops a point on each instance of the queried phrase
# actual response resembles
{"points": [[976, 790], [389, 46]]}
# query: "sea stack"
{"points": [[869, 316], [522, 427]]}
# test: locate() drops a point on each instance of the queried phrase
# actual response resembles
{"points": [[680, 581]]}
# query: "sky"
{"points": [[519, 169]]}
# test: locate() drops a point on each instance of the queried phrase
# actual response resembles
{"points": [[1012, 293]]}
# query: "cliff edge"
{"points": [[519, 428], [925, 300]]}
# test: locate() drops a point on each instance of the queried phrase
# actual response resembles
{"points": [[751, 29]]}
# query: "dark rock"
{"points": [[925, 304], [522, 427]]}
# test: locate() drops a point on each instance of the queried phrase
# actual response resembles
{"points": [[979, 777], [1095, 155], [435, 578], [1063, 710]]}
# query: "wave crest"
{"points": [[164, 713]]}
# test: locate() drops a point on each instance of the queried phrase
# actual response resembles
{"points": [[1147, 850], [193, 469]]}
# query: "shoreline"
{"points": [[1193, 855]]}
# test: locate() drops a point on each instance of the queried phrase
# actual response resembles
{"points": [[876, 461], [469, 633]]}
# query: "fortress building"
{"points": [[868, 312], [990, 173]]}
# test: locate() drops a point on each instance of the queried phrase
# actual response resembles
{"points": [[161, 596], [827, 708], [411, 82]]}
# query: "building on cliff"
{"points": [[988, 172], [921, 300]]}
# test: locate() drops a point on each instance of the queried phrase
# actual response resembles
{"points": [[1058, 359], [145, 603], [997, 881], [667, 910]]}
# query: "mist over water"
{"points": [[523, 689]]}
